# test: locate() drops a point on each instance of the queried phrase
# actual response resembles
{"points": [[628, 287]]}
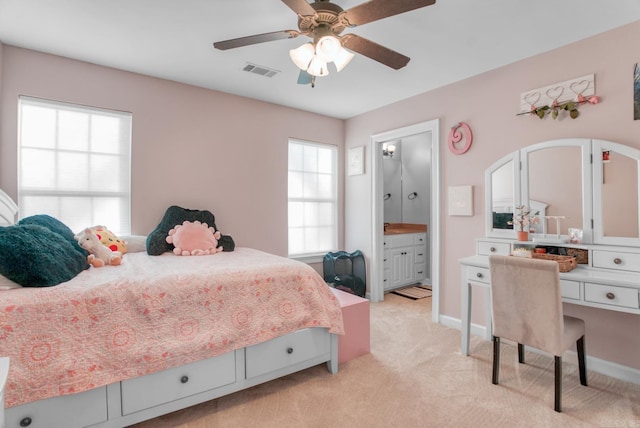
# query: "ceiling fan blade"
{"points": [[301, 7], [375, 51], [257, 38], [304, 78], [374, 10]]}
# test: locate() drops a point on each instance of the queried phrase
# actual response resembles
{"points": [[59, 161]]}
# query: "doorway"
{"points": [[428, 132]]}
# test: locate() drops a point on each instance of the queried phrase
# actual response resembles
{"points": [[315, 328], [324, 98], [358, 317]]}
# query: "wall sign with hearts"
{"points": [[563, 96]]}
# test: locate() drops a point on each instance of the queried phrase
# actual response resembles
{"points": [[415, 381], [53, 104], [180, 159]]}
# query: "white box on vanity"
{"points": [[595, 185]]}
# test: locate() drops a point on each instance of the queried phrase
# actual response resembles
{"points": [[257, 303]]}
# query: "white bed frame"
{"points": [[135, 400]]}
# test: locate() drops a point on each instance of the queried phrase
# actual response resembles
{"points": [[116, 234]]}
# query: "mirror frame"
{"points": [[598, 174], [591, 178]]}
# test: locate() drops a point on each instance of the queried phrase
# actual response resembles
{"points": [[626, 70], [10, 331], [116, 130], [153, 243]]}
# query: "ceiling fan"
{"points": [[323, 22]]}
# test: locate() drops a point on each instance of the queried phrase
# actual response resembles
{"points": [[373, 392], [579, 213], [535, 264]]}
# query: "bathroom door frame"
{"points": [[375, 147]]}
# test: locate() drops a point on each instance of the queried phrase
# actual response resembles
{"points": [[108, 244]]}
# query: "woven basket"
{"points": [[566, 263]]}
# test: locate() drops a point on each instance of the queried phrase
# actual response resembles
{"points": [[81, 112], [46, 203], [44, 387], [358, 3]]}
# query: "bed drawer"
{"points": [[286, 350], [69, 411], [172, 384]]}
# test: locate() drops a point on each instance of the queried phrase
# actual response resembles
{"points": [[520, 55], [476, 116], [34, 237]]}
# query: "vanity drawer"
{"points": [[570, 289], [611, 295], [616, 260], [421, 254], [477, 274], [286, 350], [158, 388], [401, 240], [421, 271], [493, 248], [420, 239]]}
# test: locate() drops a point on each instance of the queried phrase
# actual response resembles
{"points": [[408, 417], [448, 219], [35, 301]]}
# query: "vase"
{"points": [[523, 235]]}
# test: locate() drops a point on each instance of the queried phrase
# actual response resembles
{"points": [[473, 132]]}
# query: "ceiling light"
{"points": [[318, 67], [342, 58], [328, 47], [303, 55]]}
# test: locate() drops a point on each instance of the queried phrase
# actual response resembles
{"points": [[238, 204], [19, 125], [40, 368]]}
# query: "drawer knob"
{"points": [[492, 249], [184, 379], [289, 350], [617, 261], [25, 422], [611, 296], [420, 273], [479, 274]]}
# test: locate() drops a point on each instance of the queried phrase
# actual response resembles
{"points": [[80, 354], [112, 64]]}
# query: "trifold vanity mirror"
{"points": [[585, 184]]}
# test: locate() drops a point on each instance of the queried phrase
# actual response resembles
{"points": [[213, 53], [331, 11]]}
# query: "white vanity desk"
{"points": [[595, 186], [604, 283]]}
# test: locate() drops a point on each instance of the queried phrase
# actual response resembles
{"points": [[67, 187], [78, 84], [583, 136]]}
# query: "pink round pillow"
{"points": [[194, 239]]}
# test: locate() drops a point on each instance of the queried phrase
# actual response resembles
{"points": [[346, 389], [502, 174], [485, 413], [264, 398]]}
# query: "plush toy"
{"points": [[194, 239], [100, 255]]}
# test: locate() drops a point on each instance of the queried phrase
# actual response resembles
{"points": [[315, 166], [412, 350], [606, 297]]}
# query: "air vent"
{"points": [[258, 69]]}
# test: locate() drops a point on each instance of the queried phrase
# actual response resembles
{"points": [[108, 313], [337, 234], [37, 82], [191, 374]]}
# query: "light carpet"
{"points": [[416, 377]]}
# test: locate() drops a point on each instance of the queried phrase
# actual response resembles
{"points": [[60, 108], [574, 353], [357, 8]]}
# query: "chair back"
{"points": [[526, 302]]}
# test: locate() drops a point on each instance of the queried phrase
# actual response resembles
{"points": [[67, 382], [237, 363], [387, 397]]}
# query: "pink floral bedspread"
{"points": [[152, 313]]}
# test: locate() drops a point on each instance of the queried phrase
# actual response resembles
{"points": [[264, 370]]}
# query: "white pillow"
{"points": [[135, 243], [7, 284]]}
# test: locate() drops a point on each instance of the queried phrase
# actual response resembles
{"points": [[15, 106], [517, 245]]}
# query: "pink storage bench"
{"points": [[357, 338]]}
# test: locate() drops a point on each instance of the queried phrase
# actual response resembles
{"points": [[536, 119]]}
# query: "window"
{"points": [[74, 164], [313, 198]]}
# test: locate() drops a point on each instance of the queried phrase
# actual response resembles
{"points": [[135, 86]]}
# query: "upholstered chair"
{"points": [[527, 309]]}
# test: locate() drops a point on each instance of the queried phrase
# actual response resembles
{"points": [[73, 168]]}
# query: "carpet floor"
{"points": [[416, 377]]}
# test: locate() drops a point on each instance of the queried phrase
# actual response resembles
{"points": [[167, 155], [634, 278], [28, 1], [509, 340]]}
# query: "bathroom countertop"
{"points": [[398, 228]]}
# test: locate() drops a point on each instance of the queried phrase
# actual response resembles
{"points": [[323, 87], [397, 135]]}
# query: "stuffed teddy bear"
{"points": [[194, 239], [100, 255]]}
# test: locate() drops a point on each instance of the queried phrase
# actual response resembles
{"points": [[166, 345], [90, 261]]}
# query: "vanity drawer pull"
{"points": [[184, 379], [492, 249], [479, 275], [25, 422], [617, 260], [610, 295], [289, 350]]}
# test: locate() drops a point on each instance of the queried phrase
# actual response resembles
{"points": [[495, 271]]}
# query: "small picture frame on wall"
{"points": [[355, 162], [461, 200]]}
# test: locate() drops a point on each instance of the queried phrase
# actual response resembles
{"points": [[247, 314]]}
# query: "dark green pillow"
{"points": [[56, 226], [34, 256], [157, 240]]}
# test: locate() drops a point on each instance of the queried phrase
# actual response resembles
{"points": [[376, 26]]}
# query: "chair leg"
{"points": [[558, 384], [496, 359], [520, 353], [582, 361]]}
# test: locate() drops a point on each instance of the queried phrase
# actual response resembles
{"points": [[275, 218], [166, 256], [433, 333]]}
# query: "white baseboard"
{"points": [[598, 365]]}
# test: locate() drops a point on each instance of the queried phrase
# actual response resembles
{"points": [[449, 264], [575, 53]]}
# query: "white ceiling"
{"points": [[172, 39]]}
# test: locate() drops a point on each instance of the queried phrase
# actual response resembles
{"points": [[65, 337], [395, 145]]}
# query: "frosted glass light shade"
{"points": [[302, 56], [342, 58], [318, 67], [328, 48]]}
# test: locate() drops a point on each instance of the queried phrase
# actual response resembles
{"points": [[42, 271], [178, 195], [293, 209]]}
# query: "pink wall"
{"points": [[489, 103], [192, 147]]}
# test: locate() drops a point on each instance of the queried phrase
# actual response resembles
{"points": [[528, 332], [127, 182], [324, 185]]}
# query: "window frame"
{"points": [[91, 196], [315, 256]]}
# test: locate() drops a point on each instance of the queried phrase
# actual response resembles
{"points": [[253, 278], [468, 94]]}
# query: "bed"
{"points": [[117, 345]]}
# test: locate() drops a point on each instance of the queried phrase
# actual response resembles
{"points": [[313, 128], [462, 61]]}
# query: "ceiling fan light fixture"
{"points": [[318, 67], [342, 58], [303, 55], [328, 48]]}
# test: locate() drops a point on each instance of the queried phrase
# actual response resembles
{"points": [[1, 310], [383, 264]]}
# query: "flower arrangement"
{"points": [[570, 106], [524, 218]]}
